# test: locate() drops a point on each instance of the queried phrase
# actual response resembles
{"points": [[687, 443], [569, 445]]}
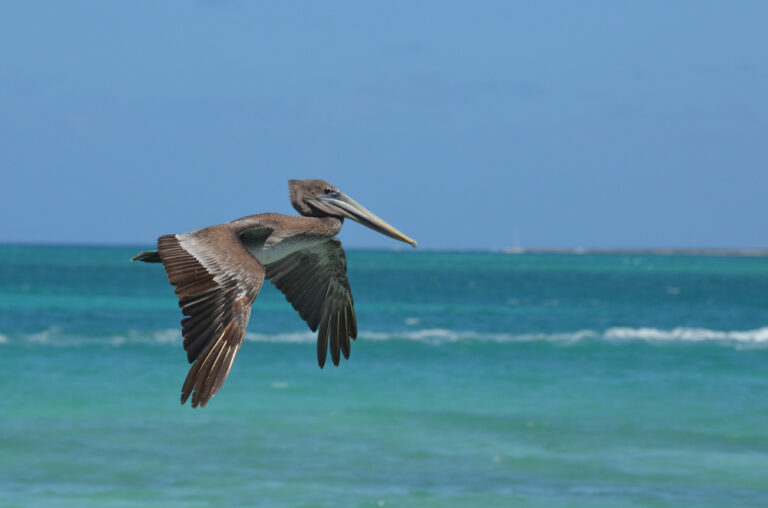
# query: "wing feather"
{"points": [[322, 344], [216, 281], [314, 281], [345, 336], [335, 333]]}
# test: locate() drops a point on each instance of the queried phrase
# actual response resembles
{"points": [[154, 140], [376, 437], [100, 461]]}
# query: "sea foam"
{"points": [[687, 334], [56, 337]]}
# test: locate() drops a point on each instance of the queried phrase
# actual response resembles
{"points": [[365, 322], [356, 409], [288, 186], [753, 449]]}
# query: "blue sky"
{"points": [[464, 124]]}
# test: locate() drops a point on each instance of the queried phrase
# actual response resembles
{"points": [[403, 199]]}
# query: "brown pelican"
{"points": [[219, 270]]}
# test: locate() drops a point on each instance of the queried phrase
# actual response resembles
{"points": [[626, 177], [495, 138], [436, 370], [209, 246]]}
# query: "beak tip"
{"points": [[413, 242]]}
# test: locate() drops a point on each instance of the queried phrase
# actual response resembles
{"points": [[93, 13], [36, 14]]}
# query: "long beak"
{"points": [[341, 204]]}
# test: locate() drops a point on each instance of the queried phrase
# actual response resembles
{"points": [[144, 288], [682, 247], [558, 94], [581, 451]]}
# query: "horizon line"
{"points": [[659, 251]]}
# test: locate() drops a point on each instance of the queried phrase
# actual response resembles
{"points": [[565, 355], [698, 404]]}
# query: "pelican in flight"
{"points": [[219, 270]]}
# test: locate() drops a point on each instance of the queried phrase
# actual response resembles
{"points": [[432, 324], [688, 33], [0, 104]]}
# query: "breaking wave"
{"points": [[58, 338]]}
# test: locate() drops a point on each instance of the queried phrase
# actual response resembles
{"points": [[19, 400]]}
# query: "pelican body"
{"points": [[219, 270]]}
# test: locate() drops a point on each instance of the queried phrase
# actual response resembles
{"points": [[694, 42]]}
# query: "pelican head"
{"points": [[318, 198]]}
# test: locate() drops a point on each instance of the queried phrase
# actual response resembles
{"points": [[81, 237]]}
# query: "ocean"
{"points": [[478, 379]]}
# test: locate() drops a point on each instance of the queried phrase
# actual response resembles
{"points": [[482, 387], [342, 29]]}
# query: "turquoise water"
{"points": [[478, 379]]}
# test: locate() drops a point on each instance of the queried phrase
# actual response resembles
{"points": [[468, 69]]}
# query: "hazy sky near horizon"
{"points": [[464, 124]]}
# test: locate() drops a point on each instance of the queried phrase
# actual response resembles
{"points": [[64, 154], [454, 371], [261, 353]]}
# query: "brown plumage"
{"points": [[219, 270], [314, 280]]}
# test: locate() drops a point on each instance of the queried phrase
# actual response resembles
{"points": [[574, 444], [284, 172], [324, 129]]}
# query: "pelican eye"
{"points": [[330, 192]]}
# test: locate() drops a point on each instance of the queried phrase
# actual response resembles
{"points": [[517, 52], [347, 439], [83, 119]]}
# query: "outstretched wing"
{"points": [[216, 281], [315, 281]]}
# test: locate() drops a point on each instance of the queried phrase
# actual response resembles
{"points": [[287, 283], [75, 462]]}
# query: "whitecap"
{"points": [[686, 334], [435, 336]]}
